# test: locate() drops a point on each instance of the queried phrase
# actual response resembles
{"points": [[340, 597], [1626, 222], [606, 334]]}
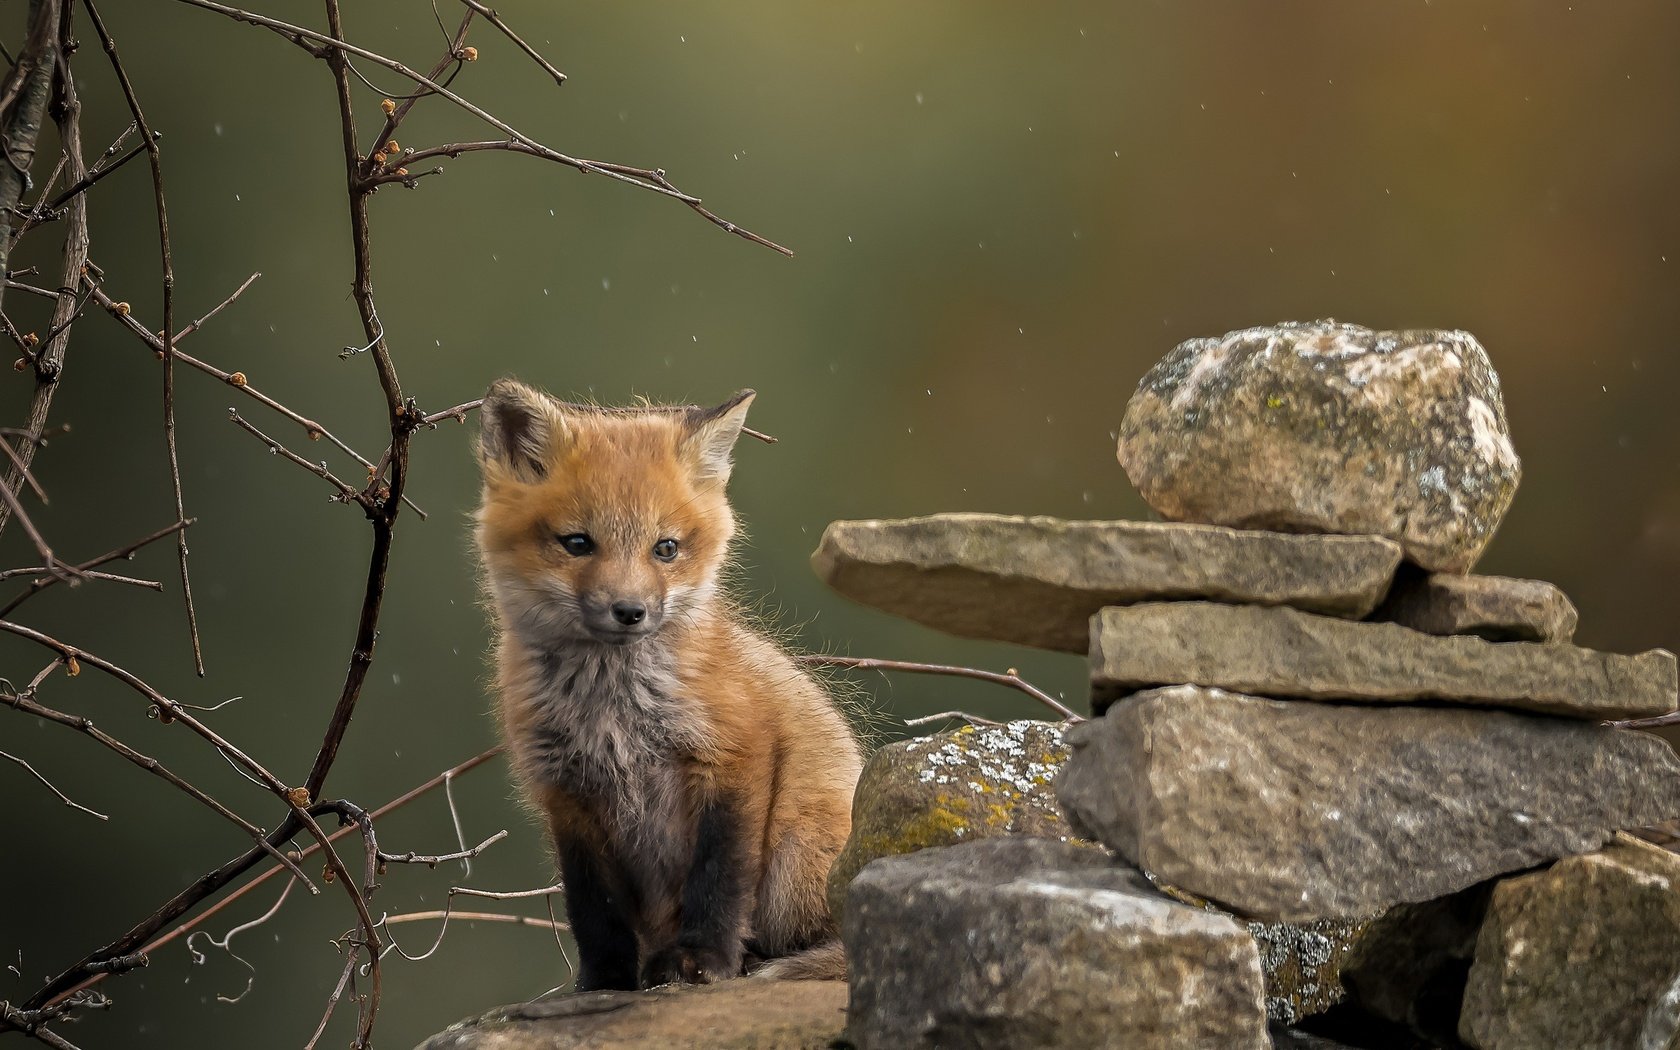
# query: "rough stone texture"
{"points": [[1297, 811], [1326, 427], [1036, 581], [1410, 965], [1020, 943], [976, 783], [1301, 962], [746, 1014], [1288, 653], [1585, 954], [1497, 608], [968, 784]]}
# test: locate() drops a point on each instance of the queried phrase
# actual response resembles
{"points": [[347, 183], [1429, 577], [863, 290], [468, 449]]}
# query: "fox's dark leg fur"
{"points": [[606, 943], [714, 905]]}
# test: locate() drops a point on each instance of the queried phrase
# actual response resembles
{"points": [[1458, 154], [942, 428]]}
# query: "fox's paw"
{"points": [[683, 964]]}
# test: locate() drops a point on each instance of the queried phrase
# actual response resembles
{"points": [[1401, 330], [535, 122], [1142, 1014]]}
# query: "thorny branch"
{"points": [[41, 73]]}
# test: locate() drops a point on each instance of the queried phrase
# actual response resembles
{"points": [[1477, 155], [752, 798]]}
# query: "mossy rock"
{"points": [[973, 783]]}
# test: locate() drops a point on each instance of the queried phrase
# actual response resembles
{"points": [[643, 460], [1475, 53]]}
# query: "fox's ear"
{"points": [[712, 434], [519, 429]]}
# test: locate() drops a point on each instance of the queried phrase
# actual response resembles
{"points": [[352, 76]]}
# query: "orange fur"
{"points": [[621, 734]]}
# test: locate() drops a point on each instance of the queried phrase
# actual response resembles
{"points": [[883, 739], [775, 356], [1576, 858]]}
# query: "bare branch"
{"points": [[434, 860], [1009, 678], [214, 310], [29, 706], [85, 568], [653, 180], [346, 494], [62, 797], [149, 140], [491, 17]]}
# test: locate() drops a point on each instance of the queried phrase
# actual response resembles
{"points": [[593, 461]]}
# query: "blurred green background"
{"points": [[1003, 213]]}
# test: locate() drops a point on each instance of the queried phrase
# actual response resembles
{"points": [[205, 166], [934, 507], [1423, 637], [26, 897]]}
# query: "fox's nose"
{"points": [[629, 613]]}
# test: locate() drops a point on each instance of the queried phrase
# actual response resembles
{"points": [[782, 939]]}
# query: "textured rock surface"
{"points": [[1036, 581], [1288, 653], [1585, 954], [747, 1014], [1020, 943], [1301, 962], [1410, 965], [1326, 427], [1497, 608], [972, 783], [1296, 811]]}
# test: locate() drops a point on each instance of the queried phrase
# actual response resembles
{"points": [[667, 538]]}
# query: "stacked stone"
{"points": [[1310, 713]]}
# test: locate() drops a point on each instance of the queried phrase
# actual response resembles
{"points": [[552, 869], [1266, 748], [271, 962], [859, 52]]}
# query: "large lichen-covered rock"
{"points": [[1294, 811], [975, 782], [1036, 581], [746, 1014], [1584, 954], [1326, 427], [1029, 944]]}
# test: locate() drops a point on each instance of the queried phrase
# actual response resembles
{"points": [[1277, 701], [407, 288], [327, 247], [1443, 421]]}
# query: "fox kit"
{"points": [[696, 783]]}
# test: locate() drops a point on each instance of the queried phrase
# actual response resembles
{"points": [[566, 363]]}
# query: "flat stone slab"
{"points": [[1294, 811], [1584, 954], [1498, 608], [744, 1014], [1288, 653], [1018, 944], [1036, 581]]}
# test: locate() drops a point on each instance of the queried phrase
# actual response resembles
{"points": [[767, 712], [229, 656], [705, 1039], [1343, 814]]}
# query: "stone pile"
{"points": [[1320, 740], [1338, 792]]}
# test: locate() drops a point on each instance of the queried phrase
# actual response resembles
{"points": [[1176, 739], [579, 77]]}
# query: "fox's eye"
{"points": [[665, 549], [577, 544]]}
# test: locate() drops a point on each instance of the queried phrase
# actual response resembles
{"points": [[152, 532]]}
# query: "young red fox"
{"points": [[697, 783]]}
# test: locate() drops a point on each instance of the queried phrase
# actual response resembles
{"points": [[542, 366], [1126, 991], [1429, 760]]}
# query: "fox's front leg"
{"points": [[714, 904], [605, 940]]}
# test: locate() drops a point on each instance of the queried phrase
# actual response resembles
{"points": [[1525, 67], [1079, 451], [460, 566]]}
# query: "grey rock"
{"points": [[1036, 581], [968, 784], [1585, 954], [1410, 964], [1498, 608], [1326, 427], [745, 1014], [1288, 653], [1019, 943], [978, 782], [1294, 811]]}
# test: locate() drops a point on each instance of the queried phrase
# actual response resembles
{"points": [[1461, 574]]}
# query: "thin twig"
{"points": [[475, 916], [62, 797], [973, 720], [653, 180], [214, 310], [1009, 678], [154, 156], [433, 860], [146, 934], [346, 494], [30, 706], [126, 551], [495, 20]]}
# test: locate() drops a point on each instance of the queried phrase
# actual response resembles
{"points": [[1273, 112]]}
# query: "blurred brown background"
{"points": [[1004, 213]]}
